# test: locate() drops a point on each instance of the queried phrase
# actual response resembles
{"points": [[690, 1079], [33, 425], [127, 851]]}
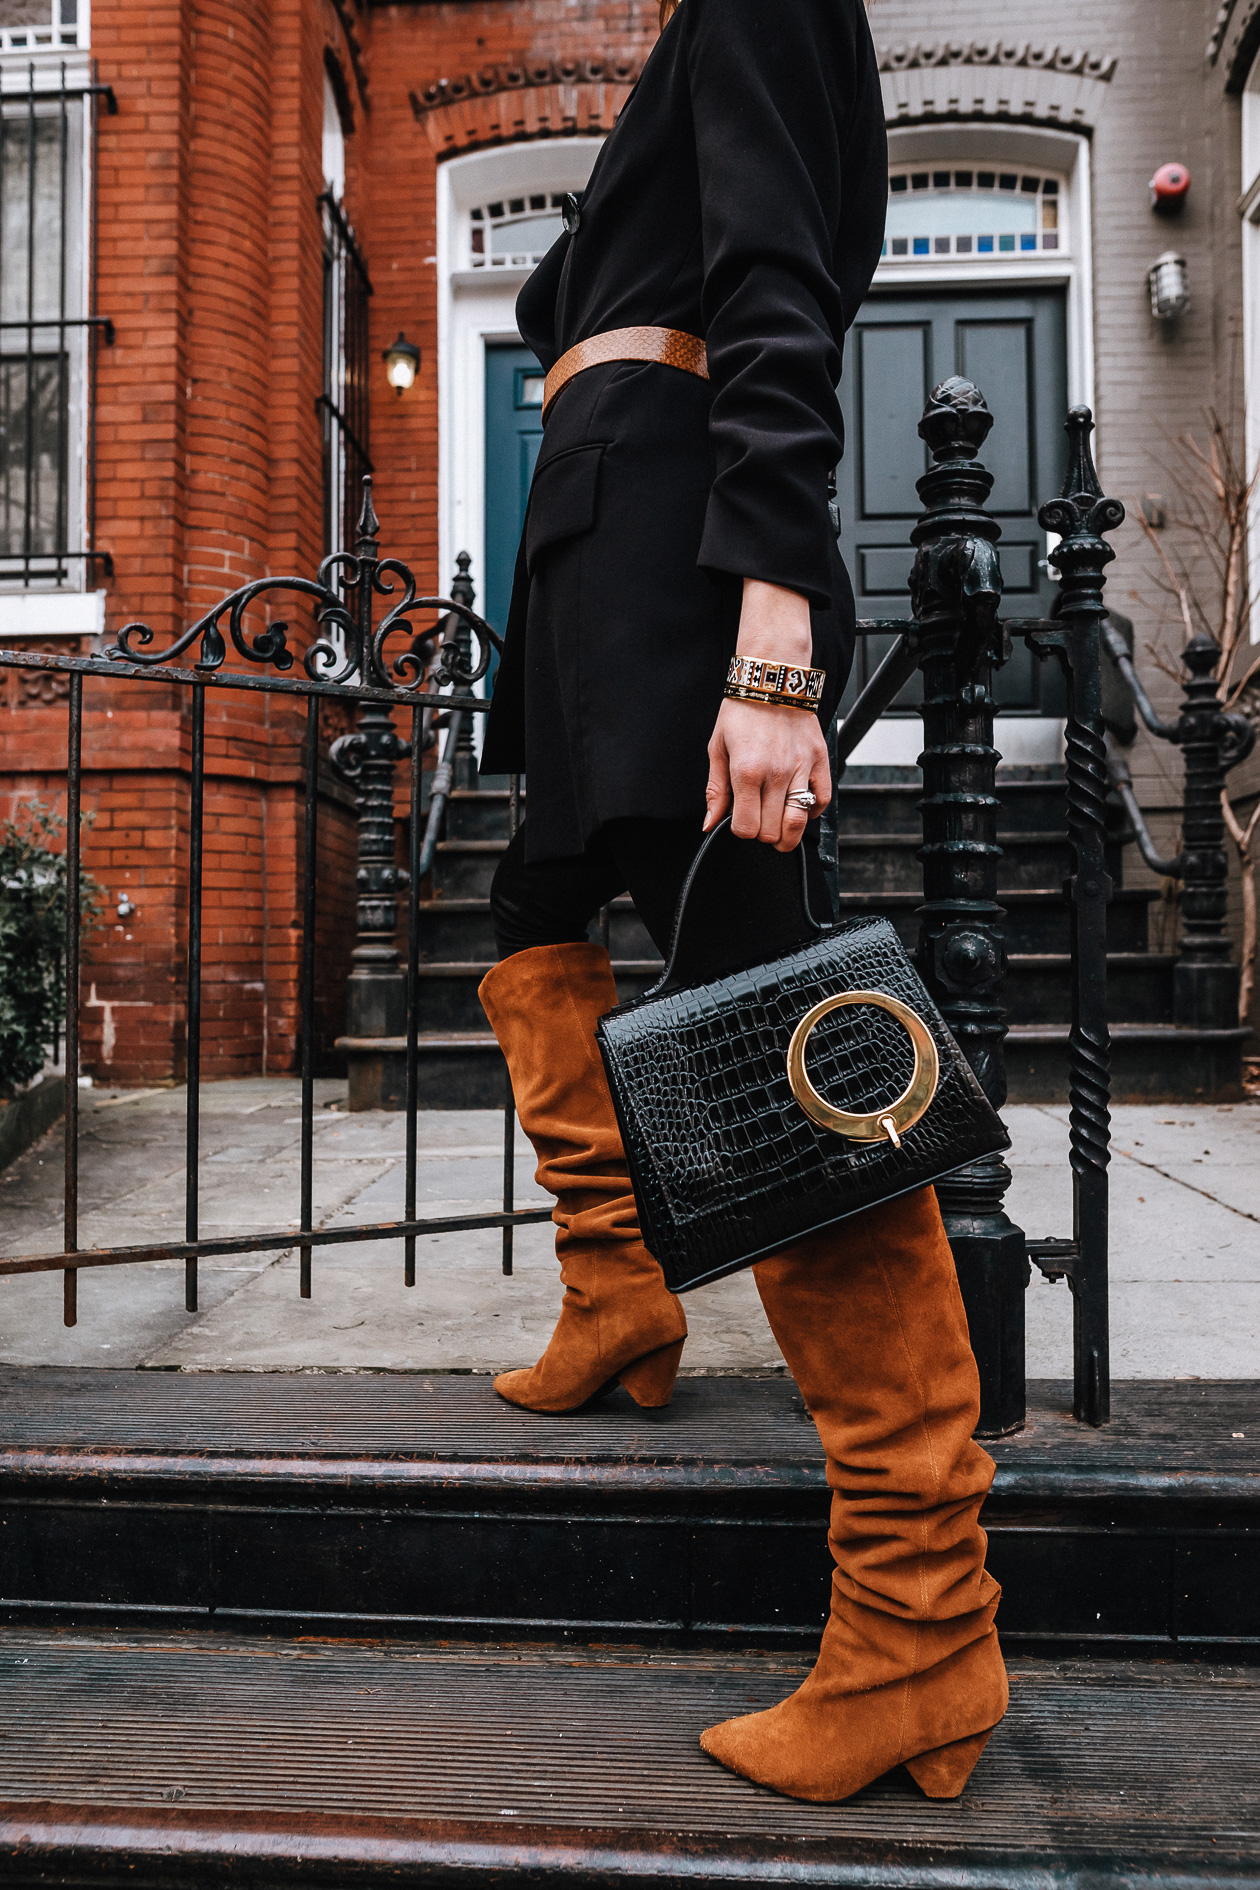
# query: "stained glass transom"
{"points": [[514, 232], [937, 213]]}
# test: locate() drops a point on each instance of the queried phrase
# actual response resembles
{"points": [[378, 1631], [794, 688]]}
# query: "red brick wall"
{"points": [[209, 452]]}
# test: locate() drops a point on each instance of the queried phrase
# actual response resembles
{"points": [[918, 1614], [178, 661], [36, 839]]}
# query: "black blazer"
{"points": [[741, 198]]}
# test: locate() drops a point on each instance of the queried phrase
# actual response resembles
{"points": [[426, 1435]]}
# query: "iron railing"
{"points": [[1213, 740], [957, 640], [49, 329], [351, 660], [955, 637]]}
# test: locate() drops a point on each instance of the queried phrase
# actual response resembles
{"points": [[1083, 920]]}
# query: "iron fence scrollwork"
{"points": [[379, 668]]}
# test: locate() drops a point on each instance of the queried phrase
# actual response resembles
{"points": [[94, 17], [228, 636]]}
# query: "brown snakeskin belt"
{"points": [[667, 346]]}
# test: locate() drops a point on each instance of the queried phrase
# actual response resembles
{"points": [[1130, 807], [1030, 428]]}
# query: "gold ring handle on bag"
{"points": [[891, 1122]]}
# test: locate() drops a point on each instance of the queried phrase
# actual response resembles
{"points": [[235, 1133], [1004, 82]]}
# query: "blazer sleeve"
{"points": [[772, 84]]}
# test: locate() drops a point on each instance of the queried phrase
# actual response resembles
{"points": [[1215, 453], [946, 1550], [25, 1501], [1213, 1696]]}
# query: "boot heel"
{"points": [[650, 1380], [944, 1772]]}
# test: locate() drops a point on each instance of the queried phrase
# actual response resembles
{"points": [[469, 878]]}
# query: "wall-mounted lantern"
{"points": [[1169, 188], [1169, 281], [402, 364]]}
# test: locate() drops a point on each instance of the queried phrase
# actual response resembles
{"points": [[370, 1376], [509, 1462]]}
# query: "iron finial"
{"points": [[369, 525], [956, 421]]}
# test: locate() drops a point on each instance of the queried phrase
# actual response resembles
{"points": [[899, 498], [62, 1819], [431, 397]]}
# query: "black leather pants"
{"points": [[552, 902]]}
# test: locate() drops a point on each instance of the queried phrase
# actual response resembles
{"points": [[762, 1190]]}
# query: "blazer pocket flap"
{"points": [[562, 499]]}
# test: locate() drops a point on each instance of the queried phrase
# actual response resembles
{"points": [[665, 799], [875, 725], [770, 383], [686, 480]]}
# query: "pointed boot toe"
{"points": [[759, 1747]]}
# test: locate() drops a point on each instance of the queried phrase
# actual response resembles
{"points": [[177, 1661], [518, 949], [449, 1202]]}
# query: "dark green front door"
{"points": [[1012, 344], [513, 437]]}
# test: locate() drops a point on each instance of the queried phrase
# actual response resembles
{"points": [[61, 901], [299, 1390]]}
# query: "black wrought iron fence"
{"points": [[374, 668], [955, 637]]}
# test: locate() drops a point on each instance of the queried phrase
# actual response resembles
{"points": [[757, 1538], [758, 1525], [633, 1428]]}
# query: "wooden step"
{"points": [[400, 1503], [200, 1759]]}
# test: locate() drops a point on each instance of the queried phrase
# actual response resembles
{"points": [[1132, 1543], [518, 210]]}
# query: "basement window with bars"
{"points": [[344, 401], [514, 232], [48, 328], [980, 214]]}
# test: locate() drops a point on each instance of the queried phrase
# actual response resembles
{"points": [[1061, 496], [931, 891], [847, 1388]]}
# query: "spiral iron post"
{"points": [[955, 589], [462, 592], [1081, 514], [376, 991]]}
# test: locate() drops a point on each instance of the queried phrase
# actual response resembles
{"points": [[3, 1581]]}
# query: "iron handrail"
{"points": [[1121, 777], [1118, 650], [440, 794], [894, 672]]}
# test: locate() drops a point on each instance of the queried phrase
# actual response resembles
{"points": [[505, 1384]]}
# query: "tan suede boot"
{"points": [[871, 1323], [619, 1321]]}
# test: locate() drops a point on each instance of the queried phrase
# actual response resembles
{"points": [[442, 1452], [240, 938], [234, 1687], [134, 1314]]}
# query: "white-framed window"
{"points": [[513, 232], [48, 328], [42, 25], [344, 402], [1034, 219], [988, 210]]}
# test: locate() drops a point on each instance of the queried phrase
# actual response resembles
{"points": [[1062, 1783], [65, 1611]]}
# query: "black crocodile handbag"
{"points": [[758, 1105]]}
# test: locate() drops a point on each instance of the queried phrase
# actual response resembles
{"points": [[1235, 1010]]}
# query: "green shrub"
{"points": [[32, 940]]}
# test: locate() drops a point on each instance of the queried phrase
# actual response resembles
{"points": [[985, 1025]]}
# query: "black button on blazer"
{"points": [[740, 198]]}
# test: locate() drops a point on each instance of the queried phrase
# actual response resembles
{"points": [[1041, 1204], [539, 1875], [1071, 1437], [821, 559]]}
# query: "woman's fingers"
{"points": [[795, 821], [717, 793], [757, 757], [747, 797]]}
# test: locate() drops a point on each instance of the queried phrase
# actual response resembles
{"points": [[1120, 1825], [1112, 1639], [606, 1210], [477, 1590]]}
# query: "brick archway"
{"points": [[511, 105]]}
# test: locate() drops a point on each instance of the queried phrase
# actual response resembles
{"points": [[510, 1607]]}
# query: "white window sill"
{"points": [[52, 614]]}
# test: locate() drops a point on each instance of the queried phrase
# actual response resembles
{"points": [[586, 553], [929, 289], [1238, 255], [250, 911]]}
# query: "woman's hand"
{"points": [[758, 754]]}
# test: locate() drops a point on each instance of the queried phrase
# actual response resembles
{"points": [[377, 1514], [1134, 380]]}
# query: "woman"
{"points": [[679, 517]]}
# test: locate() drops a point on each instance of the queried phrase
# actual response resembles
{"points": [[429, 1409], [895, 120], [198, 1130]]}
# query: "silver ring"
{"points": [[802, 798]]}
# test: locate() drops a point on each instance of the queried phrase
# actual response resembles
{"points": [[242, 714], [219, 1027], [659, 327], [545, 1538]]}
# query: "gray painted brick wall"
{"points": [[1165, 100]]}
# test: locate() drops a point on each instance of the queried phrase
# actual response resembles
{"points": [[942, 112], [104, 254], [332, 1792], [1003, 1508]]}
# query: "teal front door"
{"points": [[514, 385], [1012, 344]]}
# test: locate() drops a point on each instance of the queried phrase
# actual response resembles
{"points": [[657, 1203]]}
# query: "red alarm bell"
{"points": [[1168, 188]]}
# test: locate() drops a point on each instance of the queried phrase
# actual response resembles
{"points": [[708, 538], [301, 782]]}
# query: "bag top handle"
{"points": [[742, 903]]}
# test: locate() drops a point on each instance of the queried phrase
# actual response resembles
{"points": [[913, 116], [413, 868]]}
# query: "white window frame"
{"points": [[55, 36], [37, 605]]}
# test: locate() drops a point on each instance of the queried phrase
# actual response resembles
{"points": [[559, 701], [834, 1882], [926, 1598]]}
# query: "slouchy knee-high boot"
{"points": [[618, 1320], [870, 1320]]}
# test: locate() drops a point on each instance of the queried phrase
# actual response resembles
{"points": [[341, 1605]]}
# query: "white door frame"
{"points": [[476, 308], [1024, 739]]}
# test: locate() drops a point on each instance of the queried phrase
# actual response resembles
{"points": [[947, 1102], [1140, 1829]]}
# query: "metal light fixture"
{"points": [[402, 364], [1169, 280]]}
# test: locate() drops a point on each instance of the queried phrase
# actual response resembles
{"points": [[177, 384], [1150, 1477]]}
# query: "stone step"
{"points": [[370, 1503], [1139, 986], [1038, 986], [1037, 918], [1149, 1063], [456, 929], [159, 1759], [448, 992], [890, 862], [887, 801]]}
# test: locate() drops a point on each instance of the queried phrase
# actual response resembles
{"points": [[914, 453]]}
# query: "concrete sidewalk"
{"points": [[1185, 1244]]}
